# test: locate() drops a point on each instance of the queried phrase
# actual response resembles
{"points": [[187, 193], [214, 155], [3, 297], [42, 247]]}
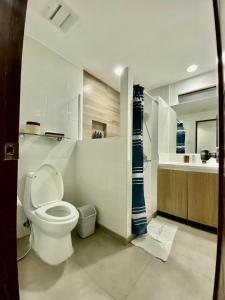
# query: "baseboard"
{"points": [[188, 222], [124, 240], [151, 216], [22, 237]]}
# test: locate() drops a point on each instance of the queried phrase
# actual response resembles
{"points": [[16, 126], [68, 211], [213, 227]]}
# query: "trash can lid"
{"points": [[86, 210]]}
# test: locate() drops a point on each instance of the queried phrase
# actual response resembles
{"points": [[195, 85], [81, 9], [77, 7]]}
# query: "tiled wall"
{"points": [[49, 94], [102, 170], [99, 179], [167, 123]]}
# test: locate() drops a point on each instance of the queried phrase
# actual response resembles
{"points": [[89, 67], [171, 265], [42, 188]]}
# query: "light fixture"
{"points": [[87, 88], [192, 68], [118, 71]]}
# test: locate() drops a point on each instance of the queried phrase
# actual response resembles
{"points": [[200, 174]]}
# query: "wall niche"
{"points": [[99, 130], [101, 110]]}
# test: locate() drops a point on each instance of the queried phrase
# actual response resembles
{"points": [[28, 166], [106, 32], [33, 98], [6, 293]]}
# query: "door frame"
{"points": [[12, 22], [219, 281], [196, 131]]}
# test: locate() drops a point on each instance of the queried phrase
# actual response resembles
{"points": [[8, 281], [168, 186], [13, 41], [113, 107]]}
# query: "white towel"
{"points": [[159, 239]]}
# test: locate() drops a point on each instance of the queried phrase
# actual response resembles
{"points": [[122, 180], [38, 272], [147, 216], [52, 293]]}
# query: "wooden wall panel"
{"points": [[102, 104]]}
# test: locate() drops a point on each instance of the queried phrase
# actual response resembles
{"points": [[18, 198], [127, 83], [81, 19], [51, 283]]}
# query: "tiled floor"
{"points": [[104, 269]]}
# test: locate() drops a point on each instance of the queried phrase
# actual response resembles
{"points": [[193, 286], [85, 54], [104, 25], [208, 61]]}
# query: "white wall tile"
{"points": [[49, 94], [98, 176], [102, 172]]}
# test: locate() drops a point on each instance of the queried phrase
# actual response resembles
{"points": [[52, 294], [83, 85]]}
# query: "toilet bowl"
{"points": [[52, 218]]}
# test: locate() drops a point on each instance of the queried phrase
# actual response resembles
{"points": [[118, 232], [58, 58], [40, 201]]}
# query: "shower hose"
{"points": [[30, 241]]}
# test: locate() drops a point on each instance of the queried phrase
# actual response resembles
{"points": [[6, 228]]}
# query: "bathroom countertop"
{"points": [[194, 167]]}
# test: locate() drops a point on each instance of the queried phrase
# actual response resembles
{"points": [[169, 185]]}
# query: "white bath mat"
{"points": [[159, 239]]}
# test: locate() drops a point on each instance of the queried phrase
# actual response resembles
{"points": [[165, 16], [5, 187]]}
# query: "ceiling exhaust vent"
{"points": [[60, 15], [198, 95]]}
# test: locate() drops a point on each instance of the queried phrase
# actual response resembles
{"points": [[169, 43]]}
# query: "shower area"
{"points": [[159, 141], [150, 143]]}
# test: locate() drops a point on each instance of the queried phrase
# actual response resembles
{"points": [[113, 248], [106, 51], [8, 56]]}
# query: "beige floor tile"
{"points": [[102, 268], [95, 248], [23, 246], [175, 283], [195, 251], [39, 281], [76, 285], [189, 272], [114, 268], [35, 275], [31, 295]]}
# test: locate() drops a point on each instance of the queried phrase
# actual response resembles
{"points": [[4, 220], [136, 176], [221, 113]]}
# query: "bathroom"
{"points": [[75, 144]]}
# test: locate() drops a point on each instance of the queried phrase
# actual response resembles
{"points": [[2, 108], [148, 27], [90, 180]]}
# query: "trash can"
{"points": [[87, 219]]}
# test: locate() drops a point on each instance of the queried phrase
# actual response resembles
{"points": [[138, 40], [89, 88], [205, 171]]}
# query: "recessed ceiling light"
{"points": [[118, 71], [192, 68], [87, 88]]}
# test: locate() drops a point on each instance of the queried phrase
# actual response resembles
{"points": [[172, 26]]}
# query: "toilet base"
{"points": [[51, 250]]}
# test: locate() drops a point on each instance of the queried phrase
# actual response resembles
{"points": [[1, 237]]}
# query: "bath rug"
{"points": [[159, 239]]}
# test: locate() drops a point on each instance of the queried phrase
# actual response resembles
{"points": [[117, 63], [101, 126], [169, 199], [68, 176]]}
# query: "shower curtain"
{"points": [[139, 219]]}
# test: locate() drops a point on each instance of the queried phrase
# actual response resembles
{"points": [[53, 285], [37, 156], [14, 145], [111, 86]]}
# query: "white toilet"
{"points": [[52, 218]]}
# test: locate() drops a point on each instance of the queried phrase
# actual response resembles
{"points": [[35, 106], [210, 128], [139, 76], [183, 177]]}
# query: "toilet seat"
{"points": [[58, 211], [46, 186]]}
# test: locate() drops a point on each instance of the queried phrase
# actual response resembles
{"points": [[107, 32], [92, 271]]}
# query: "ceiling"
{"points": [[158, 39]]}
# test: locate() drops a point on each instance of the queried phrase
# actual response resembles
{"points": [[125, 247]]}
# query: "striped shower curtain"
{"points": [[139, 219]]}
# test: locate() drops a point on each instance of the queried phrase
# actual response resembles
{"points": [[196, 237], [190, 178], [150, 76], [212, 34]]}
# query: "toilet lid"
{"points": [[46, 186]]}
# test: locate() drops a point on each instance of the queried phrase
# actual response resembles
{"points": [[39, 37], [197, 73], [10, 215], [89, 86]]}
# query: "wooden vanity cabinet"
{"points": [[203, 198], [189, 195], [172, 192]]}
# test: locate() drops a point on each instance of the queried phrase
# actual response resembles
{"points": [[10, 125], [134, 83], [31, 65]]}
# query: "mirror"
{"points": [[206, 135], [199, 122]]}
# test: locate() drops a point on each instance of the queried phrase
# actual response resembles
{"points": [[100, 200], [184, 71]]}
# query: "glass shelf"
{"points": [[58, 138]]}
